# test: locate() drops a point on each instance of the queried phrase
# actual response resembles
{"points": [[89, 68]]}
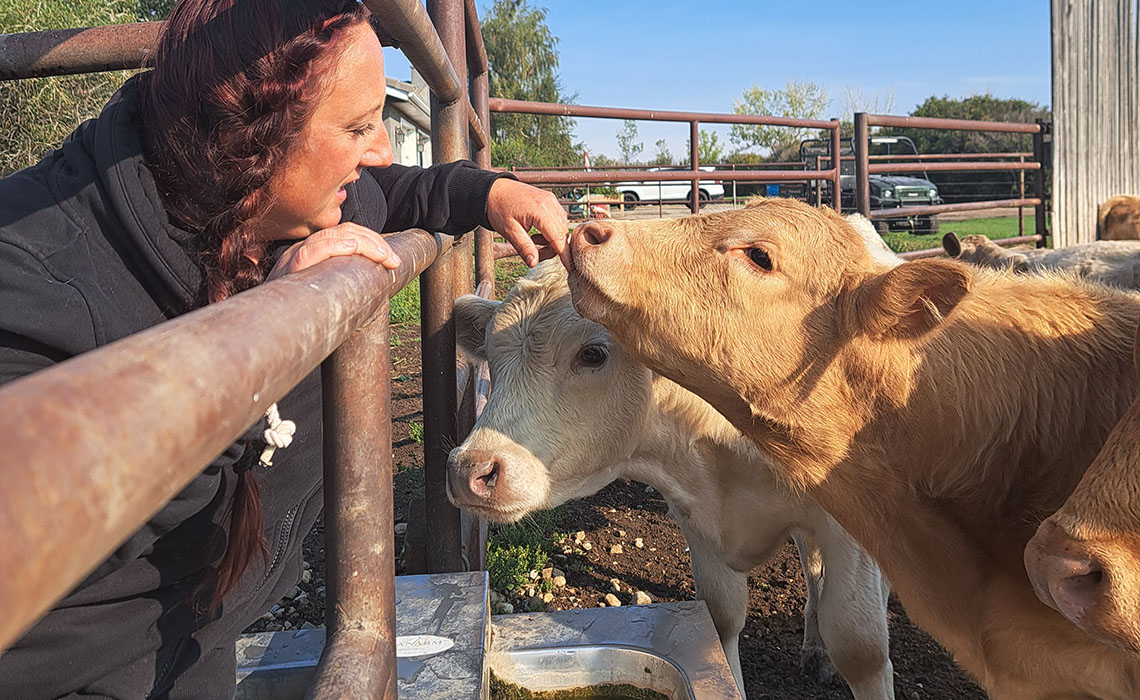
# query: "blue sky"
{"points": [[700, 56]]}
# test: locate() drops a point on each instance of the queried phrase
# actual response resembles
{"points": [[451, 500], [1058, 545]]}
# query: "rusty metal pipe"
{"points": [[573, 178], [498, 104], [862, 165], [84, 50], [410, 27], [202, 379], [484, 253], [948, 167], [946, 156], [937, 252], [951, 124], [476, 51], [694, 166], [899, 212], [437, 295], [836, 160], [360, 561]]}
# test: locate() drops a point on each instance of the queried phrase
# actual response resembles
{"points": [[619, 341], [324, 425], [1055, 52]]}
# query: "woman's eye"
{"points": [[760, 257], [363, 130], [593, 356]]}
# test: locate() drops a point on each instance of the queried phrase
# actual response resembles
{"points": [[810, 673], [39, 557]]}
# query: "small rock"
{"points": [[621, 533], [642, 598], [507, 608], [650, 489], [616, 585], [613, 510], [307, 576], [548, 573], [556, 572], [587, 546], [561, 557], [615, 549], [269, 616], [401, 529], [612, 600], [292, 593], [638, 543], [533, 575], [547, 597], [579, 536], [306, 565], [495, 597], [288, 625], [530, 592], [601, 603], [301, 597], [559, 581]]}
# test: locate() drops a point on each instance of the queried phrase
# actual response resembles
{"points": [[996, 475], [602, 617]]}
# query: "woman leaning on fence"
{"points": [[254, 149]]}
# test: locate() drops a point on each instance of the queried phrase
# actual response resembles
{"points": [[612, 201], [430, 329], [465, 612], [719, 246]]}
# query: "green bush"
{"points": [[514, 550], [37, 114]]}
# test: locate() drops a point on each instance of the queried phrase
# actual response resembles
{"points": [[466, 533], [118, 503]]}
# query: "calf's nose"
{"points": [[1064, 576], [482, 477], [591, 233]]}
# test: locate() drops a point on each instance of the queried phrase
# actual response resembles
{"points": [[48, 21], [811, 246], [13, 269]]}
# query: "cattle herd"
{"points": [[958, 431]]}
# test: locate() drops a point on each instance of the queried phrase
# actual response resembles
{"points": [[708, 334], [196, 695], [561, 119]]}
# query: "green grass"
{"points": [[416, 432], [405, 306], [507, 272], [994, 228], [514, 550]]}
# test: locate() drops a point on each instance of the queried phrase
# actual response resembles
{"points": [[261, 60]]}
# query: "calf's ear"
{"points": [[1019, 263], [472, 314], [906, 302], [952, 245]]}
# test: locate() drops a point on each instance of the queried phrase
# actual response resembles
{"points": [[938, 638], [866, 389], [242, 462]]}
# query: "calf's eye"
{"points": [[760, 257], [593, 356]]}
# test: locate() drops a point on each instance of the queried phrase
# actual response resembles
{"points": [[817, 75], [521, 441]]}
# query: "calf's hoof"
{"points": [[815, 663]]}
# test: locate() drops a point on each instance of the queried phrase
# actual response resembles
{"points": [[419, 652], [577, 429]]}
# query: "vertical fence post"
{"points": [[862, 166], [437, 329], [360, 561], [837, 164], [484, 242], [1021, 195], [1039, 182], [694, 163]]}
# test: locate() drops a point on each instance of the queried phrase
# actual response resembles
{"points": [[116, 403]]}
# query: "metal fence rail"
{"points": [[864, 168], [693, 175]]}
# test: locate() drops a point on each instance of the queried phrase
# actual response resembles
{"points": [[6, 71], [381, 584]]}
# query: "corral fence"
{"points": [[864, 168], [82, 467]]}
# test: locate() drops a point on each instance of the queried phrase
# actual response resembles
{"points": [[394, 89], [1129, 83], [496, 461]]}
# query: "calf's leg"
{"points": [[725, 592]]}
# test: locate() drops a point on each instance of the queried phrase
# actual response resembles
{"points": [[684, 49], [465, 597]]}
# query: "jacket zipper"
{"points": [[282, 542]]}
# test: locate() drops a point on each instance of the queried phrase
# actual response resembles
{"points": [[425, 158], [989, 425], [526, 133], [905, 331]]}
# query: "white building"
{"points": [[407, 117]]}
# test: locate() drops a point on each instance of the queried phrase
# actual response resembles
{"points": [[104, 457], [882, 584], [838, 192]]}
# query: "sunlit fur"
{"points": [[559, 430], [1118, 218], [1097, 530], [1115, 263], [939, 412]]}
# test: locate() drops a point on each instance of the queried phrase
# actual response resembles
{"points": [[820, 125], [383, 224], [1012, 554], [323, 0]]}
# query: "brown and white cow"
{"points": [[1084, 560], [939, 412], [1105, 262], [570, 412], [1118, 218]]}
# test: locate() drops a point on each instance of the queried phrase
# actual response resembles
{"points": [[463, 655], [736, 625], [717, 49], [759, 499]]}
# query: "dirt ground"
{"points": [[620, 514]]}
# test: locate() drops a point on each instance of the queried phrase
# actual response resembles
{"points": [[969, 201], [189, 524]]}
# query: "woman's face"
{"points": [[345, 133]]}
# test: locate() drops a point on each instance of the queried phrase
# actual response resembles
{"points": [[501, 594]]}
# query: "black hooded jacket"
{"points": [[88, 256]]}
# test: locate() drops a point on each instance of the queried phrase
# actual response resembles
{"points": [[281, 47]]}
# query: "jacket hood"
{"points": [[163, 254]]}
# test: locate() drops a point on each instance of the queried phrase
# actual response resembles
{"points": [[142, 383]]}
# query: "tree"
{"points": [[37, 114], [523, 57], [628, 143], [980, 107], [662, 156], [709, 149], [798, 100]]}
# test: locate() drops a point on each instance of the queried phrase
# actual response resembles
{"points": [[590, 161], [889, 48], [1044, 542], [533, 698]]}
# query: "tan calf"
{"points": [[939, 412], [1118, 218], [570, 412], [1084, 560], [1116, 263]]}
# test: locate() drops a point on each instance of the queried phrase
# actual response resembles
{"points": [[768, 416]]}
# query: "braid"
{"points": [[234, 84]]}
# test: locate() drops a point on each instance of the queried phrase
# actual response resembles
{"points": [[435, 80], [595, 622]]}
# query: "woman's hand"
{"points": [[513, 208], [343, 239]]}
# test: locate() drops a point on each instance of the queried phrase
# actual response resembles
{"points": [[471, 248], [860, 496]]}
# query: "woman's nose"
{"points": [[379, 152]]}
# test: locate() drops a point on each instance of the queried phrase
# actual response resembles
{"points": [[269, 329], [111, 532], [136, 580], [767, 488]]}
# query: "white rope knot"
{"points": [[278, 435]]}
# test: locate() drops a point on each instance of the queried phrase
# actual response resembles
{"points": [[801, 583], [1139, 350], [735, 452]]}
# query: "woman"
{"points": [[254, 149]]}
